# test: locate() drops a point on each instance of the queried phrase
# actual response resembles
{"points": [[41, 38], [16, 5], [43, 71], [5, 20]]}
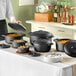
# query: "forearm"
{"points": [[9, 11]]}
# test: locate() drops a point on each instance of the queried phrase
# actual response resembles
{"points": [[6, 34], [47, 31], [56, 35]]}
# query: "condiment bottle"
{"points": [[69, 18], [55, 13], [73, 19]]}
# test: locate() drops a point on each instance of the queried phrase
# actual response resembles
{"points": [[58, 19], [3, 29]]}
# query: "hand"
{"points": [[17, 21]]}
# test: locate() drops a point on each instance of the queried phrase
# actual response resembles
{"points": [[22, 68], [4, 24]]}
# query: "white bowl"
{"points": [[52, 57]]}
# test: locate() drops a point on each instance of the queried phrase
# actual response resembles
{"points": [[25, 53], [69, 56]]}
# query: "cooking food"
{"points": [[17, 43], [63, 41], [13, 35], [23, 49], [9, 37]]}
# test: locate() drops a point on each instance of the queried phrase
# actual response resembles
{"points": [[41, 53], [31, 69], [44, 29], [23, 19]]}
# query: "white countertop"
{"points": [[54, 24]]}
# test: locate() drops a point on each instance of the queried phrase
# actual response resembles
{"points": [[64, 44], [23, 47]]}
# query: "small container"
{"points": [[23, 49], [17, 43]]}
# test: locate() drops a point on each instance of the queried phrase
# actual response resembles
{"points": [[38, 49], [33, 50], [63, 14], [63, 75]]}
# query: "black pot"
{"points": [[23, 50], [34, 36], [70, 48], [60, 46], [42, 45], [9, 39], [17, 44]]}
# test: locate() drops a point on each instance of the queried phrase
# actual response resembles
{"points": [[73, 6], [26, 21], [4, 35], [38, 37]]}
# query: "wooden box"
{"points": [[44, 17]]}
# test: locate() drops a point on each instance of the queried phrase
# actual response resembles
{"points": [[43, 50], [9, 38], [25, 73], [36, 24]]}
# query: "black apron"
{"points": [[3, 29]]}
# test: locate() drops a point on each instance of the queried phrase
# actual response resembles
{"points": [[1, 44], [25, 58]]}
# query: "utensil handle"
{"points": [[3, 35], [56, 40]]}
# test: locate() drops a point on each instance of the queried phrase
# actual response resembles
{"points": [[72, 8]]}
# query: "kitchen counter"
{"points": [[13, 64], [54, 24]]}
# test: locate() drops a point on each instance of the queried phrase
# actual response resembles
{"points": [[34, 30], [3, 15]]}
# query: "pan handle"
{"points": [[3, 35], [56, 40], [29, 33], [23, 35]]}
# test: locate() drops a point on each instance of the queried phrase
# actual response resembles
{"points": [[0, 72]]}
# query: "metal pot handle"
{"points": [[56, 40], [3, 35], [29, 33], [50, 43], [23, 35]]}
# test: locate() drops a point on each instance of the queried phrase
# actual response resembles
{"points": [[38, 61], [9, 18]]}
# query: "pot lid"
{"points": [[70, 48], [41, 34], [17, 27]]}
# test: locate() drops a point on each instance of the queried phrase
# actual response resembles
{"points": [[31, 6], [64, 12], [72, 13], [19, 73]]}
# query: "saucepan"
{"points": [[9, 37], [17, 43], [60, 44]]}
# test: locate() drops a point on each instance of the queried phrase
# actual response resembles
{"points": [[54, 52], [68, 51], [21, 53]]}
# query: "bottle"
{"points": [[69, 21], [55, 13], [73, 19]]}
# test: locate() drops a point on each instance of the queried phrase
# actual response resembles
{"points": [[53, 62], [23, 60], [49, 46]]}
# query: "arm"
{"points": [[9, 12]]}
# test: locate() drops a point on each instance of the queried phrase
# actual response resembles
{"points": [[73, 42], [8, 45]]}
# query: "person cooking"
{"points": [[6, 11]]}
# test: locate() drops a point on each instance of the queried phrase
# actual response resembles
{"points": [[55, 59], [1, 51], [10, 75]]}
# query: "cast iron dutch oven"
{"points": [[9, 37], [42, 45], [70, 48], [60, 44], [40, 35]]}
